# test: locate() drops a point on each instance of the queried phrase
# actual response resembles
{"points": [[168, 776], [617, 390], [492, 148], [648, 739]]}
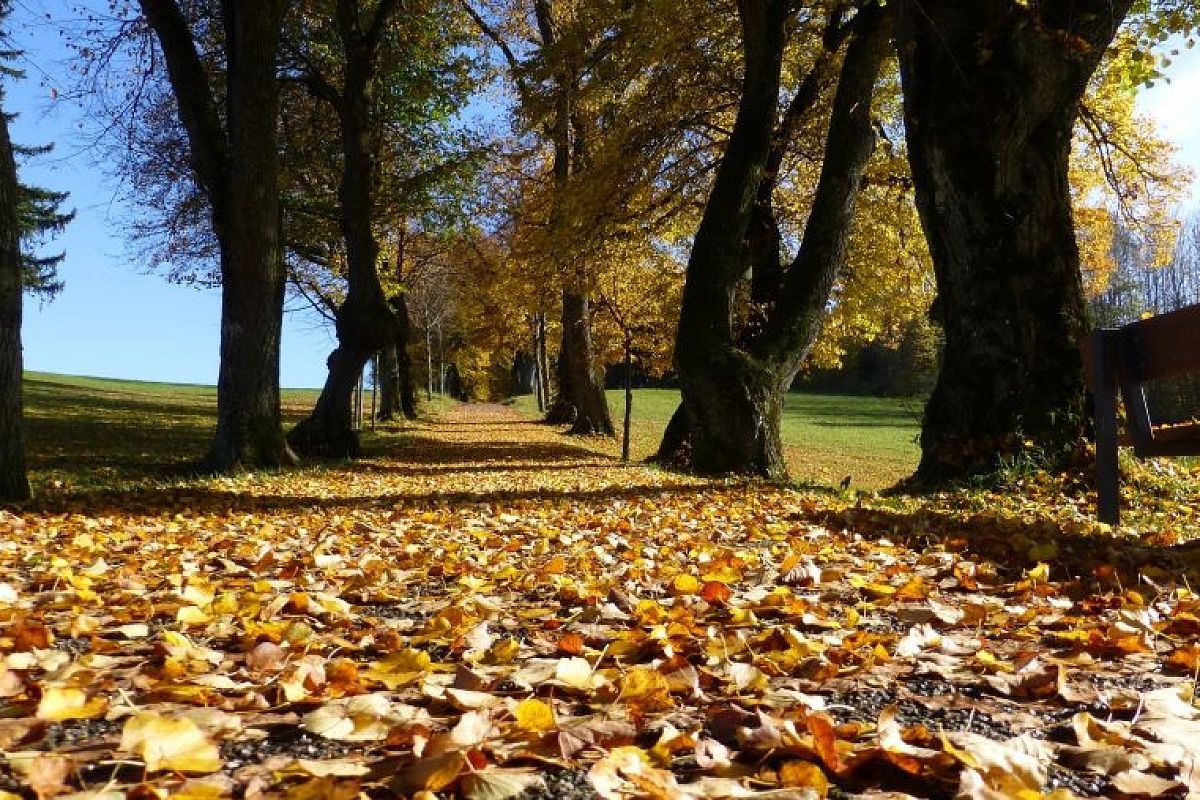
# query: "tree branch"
{"points": [[197, 105]]}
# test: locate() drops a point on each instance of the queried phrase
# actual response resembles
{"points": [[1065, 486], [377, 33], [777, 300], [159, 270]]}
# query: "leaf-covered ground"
{"points": [[485, 609]]}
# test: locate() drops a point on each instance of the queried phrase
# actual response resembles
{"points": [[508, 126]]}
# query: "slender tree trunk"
{"points": [[249, 424], [428, 362], [441, 361], [989, 118], [628, 399], [408, 388], [14, 483], [543, 362], [365, 322], [389, 384]]}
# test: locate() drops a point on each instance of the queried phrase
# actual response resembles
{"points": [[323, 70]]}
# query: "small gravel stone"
{"points": [[75, 645], [865, 705], [1082, 784], [281, 741], [562, 785], [78, 731]]}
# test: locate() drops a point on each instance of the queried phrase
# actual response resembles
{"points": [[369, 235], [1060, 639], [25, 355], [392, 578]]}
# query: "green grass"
{"points": [[827, 437], [99, 433]]}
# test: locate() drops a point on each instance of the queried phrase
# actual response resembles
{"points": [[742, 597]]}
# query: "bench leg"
{"points": [[1104, 396]]}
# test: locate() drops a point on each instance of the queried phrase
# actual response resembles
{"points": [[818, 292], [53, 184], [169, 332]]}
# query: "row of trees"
{"points": [[797, 167]]}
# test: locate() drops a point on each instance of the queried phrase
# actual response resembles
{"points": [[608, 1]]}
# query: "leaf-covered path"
{"points": [[487, 609]]}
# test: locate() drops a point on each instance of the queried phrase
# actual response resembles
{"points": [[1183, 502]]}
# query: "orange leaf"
{"points": [[716, 592]]}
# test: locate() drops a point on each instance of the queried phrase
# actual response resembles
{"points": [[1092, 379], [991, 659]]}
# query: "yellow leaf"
{"points": [[500, 784], [60, 703], [503, 651], [1040, 573], [165, 743], [534, 716], [647, 688], [434, 774], [686, 584], [192, 615], [804, 775], [578, 674]]}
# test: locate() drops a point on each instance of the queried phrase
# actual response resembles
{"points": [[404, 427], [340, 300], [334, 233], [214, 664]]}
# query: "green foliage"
{"points": [[39, 210]]}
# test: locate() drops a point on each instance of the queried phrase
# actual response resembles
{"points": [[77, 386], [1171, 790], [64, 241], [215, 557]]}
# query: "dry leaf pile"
{"points": [[490, 612]]}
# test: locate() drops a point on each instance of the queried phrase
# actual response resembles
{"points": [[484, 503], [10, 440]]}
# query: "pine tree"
{"points": [[28, 216]]}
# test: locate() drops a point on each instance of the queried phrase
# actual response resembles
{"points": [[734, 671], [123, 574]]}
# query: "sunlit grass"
{"points": [[828, 437]]}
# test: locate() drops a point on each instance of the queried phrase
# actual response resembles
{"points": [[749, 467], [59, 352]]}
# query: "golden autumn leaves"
{"points": [[657, 637]]}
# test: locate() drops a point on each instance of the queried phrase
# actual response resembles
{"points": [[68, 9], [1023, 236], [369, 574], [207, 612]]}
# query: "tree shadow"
{"points": [[205, 499], [1078, 558], [424, 454]]}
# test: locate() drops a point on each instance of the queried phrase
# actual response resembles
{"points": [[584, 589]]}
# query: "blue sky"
{"points": [[115, 320]]}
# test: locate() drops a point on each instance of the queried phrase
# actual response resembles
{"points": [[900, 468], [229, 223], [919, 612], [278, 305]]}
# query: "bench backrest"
{"points": [[1158, 347], [1162, 346]]}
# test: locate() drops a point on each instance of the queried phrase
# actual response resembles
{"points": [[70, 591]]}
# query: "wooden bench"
{"points": [[1124, 359]]}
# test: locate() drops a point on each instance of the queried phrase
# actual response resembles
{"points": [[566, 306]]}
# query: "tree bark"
{"points": [[14, 481], [628, 418], [403, 331], [543, 359], [365, 322], [580, 400], [236, 161], [991, 93], [732, 383], [389, 384]]}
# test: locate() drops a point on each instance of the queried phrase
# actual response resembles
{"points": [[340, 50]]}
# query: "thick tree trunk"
{"points": [[732, 386], [991, 95], [249, 426], [236, 161], [580, 401], [14, 482], [365, 322]]}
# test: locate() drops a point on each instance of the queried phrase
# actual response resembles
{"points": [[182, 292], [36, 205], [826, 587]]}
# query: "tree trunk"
{"points": [[328, 432], [428, 363], [732, 385], [249, 424], [628, 422], [236, 162], [523, 375], [543, 362], [365, 322], [580, 400], [389, 384], [14, 483], [991, 94], [403, 331]]}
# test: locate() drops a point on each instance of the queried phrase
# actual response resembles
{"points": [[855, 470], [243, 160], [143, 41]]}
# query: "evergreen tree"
{"points": [[28, 215]]}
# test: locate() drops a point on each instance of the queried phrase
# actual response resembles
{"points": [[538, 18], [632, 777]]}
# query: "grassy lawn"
{"points": [[871, 439], [98, 432]]}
